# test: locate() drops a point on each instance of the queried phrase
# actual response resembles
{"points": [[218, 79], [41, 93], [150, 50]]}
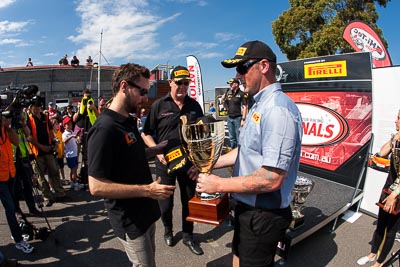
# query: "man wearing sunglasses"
{"points": [[235, 101], [118, 167], [163, 121], [266, 160]]}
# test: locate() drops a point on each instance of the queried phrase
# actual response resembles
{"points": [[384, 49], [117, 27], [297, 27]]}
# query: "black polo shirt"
{"points": [[234, 102], [41, 131], [164, 117], [117, 152]]}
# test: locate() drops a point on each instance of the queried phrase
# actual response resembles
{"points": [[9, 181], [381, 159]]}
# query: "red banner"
{"points": [[364, 39]]}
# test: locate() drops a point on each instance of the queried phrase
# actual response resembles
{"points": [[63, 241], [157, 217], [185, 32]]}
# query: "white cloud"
{"points": [[5, 3], [51, 54], [211, 55], [225, 36], [12, 26], [10, 41], [129, 29], [198, 2]]}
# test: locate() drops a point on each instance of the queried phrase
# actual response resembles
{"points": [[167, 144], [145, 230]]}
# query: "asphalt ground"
{"points": [[81, 236]]}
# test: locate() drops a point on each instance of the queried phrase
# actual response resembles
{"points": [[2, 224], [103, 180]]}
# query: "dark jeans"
{"points": [[233, 128], [8, 204], [187, 189]]}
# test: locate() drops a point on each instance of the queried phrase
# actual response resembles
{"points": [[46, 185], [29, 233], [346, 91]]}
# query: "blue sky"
{"points": [[149, 32]]}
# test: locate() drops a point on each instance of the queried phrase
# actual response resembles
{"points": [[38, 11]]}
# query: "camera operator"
{"points": [[41, 139], [24, 173], [7, 173], [84, 118]]}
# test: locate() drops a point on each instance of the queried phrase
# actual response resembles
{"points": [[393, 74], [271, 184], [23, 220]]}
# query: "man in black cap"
{"points": [[266, 160], [163, 121], [235, 101]]}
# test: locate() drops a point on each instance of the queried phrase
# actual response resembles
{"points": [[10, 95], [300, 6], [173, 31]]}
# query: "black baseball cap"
{"points": [[250, 50], [233, 80], [180, 73]]}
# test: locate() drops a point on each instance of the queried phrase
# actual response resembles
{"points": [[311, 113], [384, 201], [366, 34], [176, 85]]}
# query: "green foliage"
{"points": [[311, 28]]}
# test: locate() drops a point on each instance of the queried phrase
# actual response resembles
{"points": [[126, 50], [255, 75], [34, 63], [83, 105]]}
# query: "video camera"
{"points": [[13, 99]]}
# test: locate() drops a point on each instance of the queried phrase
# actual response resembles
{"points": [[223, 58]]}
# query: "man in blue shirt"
{"points": [[265, 162]]}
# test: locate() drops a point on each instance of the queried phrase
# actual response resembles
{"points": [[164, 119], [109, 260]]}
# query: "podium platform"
{"points": [[326, 203]]}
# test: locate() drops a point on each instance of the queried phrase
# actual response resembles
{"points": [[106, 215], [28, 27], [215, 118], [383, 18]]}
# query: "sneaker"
{"points": [[78, 186], [364, 260], [397, 238], [24, 247]]}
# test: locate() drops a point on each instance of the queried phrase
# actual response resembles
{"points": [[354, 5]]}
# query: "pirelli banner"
{"points": [[334, 95]]}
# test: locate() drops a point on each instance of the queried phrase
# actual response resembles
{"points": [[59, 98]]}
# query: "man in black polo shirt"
{"points": [[118, 168], [235, 101], [164, 122]]}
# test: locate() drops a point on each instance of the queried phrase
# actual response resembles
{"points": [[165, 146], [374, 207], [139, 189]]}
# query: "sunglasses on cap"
{"points": [[184, 82], [242, 69], [143, 91]]}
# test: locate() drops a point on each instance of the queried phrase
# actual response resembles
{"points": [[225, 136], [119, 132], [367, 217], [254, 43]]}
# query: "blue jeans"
{"points": [[233, 128], [9, 208]]}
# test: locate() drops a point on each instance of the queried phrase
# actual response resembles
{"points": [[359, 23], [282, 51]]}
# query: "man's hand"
{"points": [[162, 159], [160, 191], [193, 173], [208, 183]]}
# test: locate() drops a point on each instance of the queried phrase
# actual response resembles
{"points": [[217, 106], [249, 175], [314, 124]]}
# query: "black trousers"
{"points": [[23, 184], [187, 188]]}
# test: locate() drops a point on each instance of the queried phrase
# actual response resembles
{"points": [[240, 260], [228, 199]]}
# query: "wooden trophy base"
{"points": [[397, 207], [208, 211], [296, 224]]}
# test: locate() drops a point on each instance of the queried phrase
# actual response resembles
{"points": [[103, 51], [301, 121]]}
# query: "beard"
{"points": [[130, 104]]}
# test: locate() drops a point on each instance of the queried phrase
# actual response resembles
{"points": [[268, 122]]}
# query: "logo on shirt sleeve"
{"points": [[130, 138], [256, 117]]}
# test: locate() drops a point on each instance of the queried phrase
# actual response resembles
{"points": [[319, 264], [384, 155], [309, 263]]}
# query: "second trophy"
{"points": [[203, 143]]}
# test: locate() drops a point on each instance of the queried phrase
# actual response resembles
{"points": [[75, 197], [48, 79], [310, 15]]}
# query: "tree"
{"points": [[311, 28]]}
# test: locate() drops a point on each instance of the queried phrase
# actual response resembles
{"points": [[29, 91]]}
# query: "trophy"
{"points": [[203, 144], [394, 186], [302, 188]]}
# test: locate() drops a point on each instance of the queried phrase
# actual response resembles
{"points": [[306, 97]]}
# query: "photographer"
{"points": [[23, 177], [7, 173], [84, 119], [41, 139]]}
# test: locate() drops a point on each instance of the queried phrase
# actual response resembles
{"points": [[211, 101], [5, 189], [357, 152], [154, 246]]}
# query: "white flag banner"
{"points": [[196, 82]]}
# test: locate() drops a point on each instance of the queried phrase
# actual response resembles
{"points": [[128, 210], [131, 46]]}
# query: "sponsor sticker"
{"points": [[181, 72], [174, 154], [130, 138], [241, 51], [256, 117], [325, 70]]}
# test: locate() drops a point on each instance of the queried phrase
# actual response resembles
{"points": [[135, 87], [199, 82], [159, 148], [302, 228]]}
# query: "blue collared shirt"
{"points": [[271, 136]]}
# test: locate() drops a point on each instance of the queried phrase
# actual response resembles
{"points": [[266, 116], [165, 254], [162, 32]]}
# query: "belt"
{"points": [[252, 208]]}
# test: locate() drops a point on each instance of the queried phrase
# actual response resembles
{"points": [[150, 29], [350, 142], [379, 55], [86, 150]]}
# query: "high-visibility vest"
{"points": [[35, 150], [23, 146], [7, 167]]}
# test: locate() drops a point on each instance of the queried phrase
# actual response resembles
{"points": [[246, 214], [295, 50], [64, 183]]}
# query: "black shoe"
{"points": [[194, 248], [48, 202], [35, 213], [169, 239]]}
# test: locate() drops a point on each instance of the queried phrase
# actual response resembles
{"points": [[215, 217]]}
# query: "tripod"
{"points": [[32, 179], [392, 259]]}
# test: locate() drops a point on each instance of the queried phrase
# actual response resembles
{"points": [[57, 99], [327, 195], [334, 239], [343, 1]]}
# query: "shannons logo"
{"points": [[325, 69], [367, 43], [322, 126]]}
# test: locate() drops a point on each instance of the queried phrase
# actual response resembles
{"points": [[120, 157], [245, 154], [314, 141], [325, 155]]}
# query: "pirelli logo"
{"points": [[181, 72], [326, 69], [174, 154]]}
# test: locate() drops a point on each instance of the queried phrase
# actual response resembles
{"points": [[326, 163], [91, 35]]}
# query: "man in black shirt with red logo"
{"points": [[235, 101], [119, 171], [164, 122]]}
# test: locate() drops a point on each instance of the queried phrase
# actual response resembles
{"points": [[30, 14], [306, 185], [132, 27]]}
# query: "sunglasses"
{"points": [[186, 83], [142, 91], [244, 68]]}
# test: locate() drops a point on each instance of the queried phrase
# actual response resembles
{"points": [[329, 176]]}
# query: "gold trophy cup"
{"points": [[204, 143]]}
